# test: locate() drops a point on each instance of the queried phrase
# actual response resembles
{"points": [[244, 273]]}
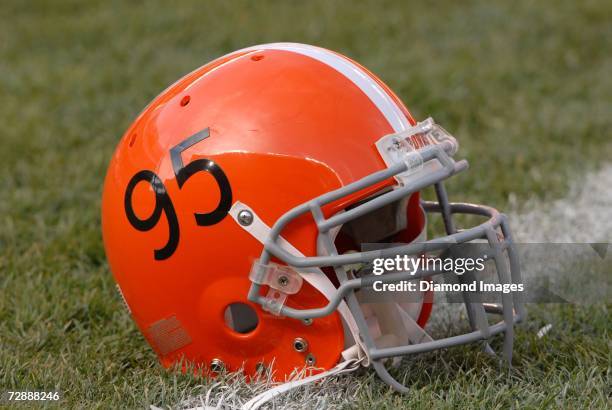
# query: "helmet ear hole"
{"points": [[240, 317]]}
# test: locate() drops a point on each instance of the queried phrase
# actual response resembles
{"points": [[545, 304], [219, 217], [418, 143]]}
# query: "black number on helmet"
{"points": [[183, 173], [162, 203]]}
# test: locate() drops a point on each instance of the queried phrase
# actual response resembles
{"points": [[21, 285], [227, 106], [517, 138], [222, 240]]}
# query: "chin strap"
{"points": [[260, 231]]}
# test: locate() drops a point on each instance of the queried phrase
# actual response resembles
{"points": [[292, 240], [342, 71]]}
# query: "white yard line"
{"points": [[583, 216]]}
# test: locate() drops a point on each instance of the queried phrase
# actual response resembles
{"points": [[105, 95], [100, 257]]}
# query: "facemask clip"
{"points": [[282, 280]]}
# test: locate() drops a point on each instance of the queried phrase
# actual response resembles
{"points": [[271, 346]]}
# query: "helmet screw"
{"points": [[217, 365], [283, 281], [300, 345], [307, 321], [310, 359], [245, 217]]}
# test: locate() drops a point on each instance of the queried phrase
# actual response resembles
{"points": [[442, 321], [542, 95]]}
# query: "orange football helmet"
{"points": [[236, 205]]}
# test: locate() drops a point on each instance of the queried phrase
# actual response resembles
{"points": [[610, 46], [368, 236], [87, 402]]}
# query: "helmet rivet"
{"points": [[283, 281], [307, 321], [310, 359], [217, 365], [300, 345], [245, 217]]}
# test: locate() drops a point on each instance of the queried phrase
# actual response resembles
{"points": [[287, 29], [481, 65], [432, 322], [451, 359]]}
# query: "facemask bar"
{"points": [[511, 308]]}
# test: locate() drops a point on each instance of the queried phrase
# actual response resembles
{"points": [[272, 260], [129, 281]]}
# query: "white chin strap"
{"points": [[260, 231]]}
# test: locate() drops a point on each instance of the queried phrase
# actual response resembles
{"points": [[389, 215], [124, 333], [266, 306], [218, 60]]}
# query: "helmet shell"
{"points": [[283, 127]]}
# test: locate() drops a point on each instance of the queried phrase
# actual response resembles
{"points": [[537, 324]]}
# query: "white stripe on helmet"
{"points": [[379, 97]]}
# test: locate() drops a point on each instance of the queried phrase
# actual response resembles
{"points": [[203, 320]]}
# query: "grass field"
{"points": [[526, 87]]}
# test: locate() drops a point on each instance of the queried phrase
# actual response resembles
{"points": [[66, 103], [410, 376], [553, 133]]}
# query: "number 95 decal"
{"points": [[163, 203]]}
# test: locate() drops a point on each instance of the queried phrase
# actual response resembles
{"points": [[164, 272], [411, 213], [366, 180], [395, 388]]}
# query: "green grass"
{"points": [[526, 87]]}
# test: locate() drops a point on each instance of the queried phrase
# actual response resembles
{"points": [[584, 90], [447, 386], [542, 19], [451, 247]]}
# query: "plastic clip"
{"points": [[282, 280], [404, 146]]}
